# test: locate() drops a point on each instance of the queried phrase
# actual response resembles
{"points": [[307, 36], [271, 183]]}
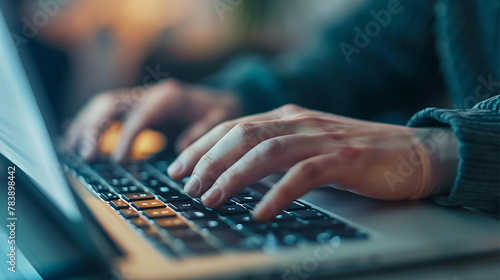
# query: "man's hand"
{"points": [[164, 105], [377, 160]]}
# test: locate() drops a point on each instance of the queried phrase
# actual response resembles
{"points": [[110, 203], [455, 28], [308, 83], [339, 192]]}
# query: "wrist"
{"points": [[440, 147]]}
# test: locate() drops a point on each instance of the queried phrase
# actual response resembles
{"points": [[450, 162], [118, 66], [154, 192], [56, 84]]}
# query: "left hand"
{"points": [[377, 160]]}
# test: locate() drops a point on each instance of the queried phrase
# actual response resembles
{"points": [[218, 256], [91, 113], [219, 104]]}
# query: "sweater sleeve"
{"points": [[477, 184], [348, 69]]}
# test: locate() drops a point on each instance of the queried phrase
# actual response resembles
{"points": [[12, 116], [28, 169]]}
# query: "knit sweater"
{"points": [[391, 58]]}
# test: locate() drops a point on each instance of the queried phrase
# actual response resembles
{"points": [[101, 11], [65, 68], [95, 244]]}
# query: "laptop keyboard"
{"points": [[144, 195]]}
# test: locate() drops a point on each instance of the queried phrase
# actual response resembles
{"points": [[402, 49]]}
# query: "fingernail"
{"points": [[193, 186], [212, 196], [174, 168]]}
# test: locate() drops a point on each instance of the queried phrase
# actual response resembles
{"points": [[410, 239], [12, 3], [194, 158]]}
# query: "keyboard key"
{"points": [[198, 214], [140, 222], [109, 175], [229, 237], [99, 187], [141, 175], [253, 227], [296, 205], [137, 196], [200, 246], [148, 204], [251, 205], [248, 197], [118, 204], [174, 197], [348, 232], [315, 234], [162, 165], [308, 214], [211, 224], [116, 182], [231, 209], [327, 222], [152, 183], [128, 189], [287, 225], [184, 233], [283, 217], [129, 213], [171, 223], [159, 213], [291, 238], [186, 205], [240, 218], [152, 232], [164, 190], [109, 196]]}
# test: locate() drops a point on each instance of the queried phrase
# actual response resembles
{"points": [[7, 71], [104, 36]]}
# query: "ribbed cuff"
{"points": [[478, 178]]}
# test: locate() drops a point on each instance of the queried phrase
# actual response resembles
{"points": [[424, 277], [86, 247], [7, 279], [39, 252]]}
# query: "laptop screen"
{"points": [[24, 138]]}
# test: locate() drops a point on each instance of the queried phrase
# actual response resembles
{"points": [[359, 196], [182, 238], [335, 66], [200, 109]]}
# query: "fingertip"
{"points": [[263, 213], [175, 170]]}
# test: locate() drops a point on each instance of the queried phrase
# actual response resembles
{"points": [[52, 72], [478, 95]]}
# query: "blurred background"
{"points": [[83, 47]]}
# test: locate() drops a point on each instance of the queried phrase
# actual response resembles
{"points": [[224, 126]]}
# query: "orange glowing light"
{"points": [[148, 142]]}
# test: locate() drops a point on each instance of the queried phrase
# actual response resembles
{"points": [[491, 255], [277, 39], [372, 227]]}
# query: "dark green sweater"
{"points": [[395, 57]]}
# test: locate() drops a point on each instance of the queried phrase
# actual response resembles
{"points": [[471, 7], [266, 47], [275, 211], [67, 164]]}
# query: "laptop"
{"points": [[132, 221]]}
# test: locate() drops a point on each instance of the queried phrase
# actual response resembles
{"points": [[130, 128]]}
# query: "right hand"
{"points": [[162, 105]]}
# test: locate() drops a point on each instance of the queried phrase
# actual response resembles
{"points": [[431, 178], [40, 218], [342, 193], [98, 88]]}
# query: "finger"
{"points": [[186, 161], [154, 105], [267, 157], [84, 133], [229, 149], [301, 178], [196, 130]]}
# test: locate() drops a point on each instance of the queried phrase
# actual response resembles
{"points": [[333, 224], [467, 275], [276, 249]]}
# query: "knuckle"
{"points": [[356, 156], [333, 136], [273, 146], [289, 109], [170, 85], [246, 129], [209, 163], [307, 119], [309, 170]]}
